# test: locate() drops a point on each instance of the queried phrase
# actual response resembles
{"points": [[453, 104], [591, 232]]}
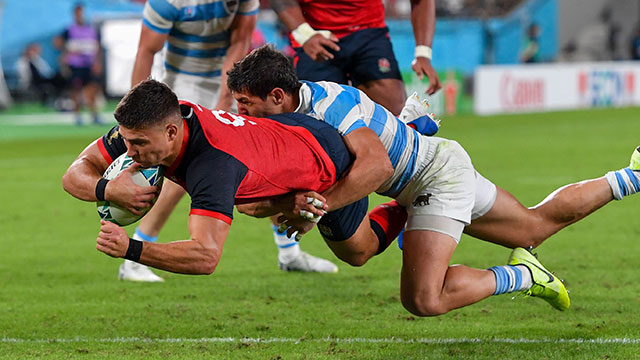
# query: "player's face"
{"points": [[253, 105], [148, 147]]}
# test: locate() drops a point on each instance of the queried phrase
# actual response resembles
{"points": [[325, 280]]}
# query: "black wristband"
{"points": [[100, 187], [134, 250]]}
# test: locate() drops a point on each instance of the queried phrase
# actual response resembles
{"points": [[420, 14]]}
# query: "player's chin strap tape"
{"points": [[134, 250], [100, 187]]}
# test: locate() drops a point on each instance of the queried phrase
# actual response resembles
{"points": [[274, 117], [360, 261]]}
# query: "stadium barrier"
{"points": [[546, 87]]}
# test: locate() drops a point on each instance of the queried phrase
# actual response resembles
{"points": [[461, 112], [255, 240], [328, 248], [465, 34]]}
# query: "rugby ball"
{"points": [[151, 176]]}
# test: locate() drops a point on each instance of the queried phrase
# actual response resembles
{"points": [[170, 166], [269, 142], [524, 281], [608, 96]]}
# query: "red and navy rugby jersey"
{"points": [[227, 158], [343, 17]]}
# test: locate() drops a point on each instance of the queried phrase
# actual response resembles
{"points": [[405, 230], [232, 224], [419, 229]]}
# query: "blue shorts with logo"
{"points": [[364, 56]]}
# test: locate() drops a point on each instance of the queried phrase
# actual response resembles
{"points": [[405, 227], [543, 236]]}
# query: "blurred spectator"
{"points": [[598, 40], [570, 53], [635, 44], [531, 52], [82, 58], [37, 77]]}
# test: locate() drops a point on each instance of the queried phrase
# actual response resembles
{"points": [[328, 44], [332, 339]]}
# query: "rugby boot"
{"points": [[545, 285], [308, 263]]}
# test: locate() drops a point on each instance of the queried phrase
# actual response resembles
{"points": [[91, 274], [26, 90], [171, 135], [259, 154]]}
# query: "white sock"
{"points": [[623, 182], [288, 248]]}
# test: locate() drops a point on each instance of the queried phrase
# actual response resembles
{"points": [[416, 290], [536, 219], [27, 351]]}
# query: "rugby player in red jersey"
{"points": [[221, 159]]}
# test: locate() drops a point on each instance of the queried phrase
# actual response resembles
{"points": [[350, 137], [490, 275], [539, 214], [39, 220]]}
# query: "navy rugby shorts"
{"points": [[364, 56]]}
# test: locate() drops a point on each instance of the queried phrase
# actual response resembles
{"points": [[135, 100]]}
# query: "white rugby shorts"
{"points": [[446, 193], [196, 89]]}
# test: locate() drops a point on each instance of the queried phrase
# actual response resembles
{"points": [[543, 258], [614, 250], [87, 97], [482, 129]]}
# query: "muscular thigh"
{"points": [[508, 223], [362, 243], [373, 68], [389, 93]]}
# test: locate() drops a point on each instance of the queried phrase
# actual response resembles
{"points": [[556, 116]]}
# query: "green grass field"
{"points": [[60, 298]]}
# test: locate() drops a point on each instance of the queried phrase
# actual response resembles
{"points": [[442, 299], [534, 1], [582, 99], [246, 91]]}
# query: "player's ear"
{"points": [[277, 94], [171, 131]]}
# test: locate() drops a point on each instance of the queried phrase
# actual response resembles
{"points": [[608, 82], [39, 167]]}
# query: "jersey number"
{"points": [[230, 119]]}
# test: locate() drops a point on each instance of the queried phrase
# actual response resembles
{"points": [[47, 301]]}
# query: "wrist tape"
{"points": [[423, 51]]}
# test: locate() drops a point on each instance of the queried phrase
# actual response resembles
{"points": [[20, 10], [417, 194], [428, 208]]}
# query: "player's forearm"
{"points": [[235, 53], [142, 66], [183, 257], [371, 167], [360, 181], [289, 12], [423, 20], [258, 209]]}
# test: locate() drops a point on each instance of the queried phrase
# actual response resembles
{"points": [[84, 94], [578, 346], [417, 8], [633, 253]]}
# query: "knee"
{"points": [[424, 305], [354, 259]]}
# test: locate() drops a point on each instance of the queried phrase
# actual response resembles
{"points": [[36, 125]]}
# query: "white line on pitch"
{"points": [[328, 340]]}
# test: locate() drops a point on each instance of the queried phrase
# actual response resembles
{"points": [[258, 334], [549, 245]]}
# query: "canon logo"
{"points": [[518, 93]]}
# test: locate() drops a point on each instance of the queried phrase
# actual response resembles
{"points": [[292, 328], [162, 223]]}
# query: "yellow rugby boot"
{"points": [[545, 285]]}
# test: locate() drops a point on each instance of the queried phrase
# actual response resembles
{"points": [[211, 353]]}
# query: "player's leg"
{"points": [[429, 286], [389, 93], [374, 68], [148, 230], [355, 236], [76, 84], [510, 224], [90, 92]]}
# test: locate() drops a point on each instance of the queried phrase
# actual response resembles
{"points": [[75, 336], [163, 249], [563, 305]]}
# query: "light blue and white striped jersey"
{"points": [[198, 31], [347, 108]]}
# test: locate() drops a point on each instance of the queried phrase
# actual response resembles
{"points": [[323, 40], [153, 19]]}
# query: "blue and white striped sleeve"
{"points": [[159, 15], [249, 7]]}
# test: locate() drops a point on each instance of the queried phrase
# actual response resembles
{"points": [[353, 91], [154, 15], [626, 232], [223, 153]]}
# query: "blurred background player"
{"points": [[531, 52], [204, 39], [81, 54], [348, 42], [36, 75]]}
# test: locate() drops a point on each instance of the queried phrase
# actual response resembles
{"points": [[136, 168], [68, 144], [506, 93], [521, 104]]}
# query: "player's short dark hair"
{"points": [[147, 104], [264, 69]]}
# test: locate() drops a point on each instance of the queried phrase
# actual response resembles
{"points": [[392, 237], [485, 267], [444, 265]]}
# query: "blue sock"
{"points": [[139, 235], [510, 278]]}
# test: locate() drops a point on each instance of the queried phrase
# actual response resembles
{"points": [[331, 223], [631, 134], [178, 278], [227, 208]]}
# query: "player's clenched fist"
{"points": [[112, 239]]}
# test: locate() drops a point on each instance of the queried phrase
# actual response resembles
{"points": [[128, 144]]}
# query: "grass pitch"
{"points": [[60, 297]]}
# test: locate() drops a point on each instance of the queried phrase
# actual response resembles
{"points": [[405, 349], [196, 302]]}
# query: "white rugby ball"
{"points": [[151, 176]]}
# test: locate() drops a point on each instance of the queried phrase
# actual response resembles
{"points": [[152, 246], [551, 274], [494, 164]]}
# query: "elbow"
{"points": [[385, 169], [67, 182], [209, 263], [247, 210], [388, 169]]}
